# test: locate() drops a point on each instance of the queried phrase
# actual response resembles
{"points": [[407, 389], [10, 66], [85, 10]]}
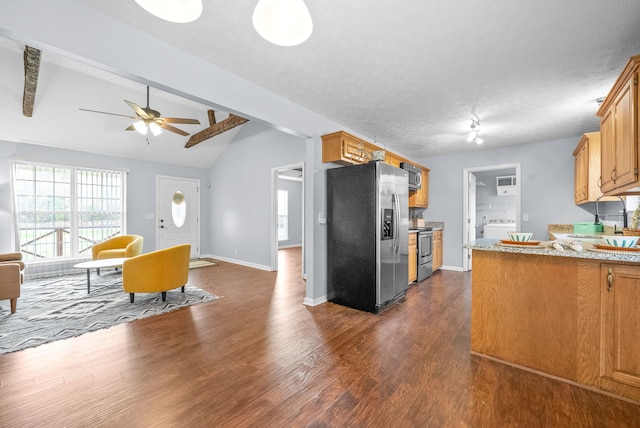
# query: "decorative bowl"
{"points": [[520, 236], [620, 240]]}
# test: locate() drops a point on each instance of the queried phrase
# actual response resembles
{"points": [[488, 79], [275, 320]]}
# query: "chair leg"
{"points": [[164, 296], [182, 288], [14, 302], [98, 271], [131, 297]]}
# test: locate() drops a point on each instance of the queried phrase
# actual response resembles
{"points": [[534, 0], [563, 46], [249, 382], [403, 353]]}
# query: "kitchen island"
{"points": [[571, 315]]}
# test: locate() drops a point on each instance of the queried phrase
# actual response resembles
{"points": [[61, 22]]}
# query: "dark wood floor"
{"points": [[259, 357]]}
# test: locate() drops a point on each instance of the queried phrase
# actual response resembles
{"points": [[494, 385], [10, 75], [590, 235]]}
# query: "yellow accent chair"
{"points": [[117, 247], [11, 277], [157, 271]]}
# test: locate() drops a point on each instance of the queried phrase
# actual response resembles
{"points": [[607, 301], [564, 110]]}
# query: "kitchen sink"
{"points": [[585, 236]]}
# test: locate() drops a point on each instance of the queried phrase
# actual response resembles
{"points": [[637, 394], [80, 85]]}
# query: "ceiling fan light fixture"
{"points": [[282, 22], [178, 11], [141, 127], [155, 129]]}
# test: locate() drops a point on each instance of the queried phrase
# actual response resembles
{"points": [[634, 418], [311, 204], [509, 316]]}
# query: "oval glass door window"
{"points": [[178, 209]]}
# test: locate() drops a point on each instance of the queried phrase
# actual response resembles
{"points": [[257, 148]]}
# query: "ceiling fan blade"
{"points": [[180, 120], [139, 111], [172, 128], [112, 114], [130, 128]]}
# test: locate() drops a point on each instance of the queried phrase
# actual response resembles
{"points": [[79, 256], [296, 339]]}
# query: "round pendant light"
{"points": [[283, 22], [178, 11]]}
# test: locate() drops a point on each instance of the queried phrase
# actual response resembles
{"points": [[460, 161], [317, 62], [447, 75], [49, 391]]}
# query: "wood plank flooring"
{"points": [[259, 358]]}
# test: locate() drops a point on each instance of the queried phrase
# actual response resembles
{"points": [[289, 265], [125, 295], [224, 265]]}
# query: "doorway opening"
{"points": [[502, 209], [288, 210]]}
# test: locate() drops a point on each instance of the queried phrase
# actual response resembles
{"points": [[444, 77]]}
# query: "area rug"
{"points": [[202, 262], [51, 309]]}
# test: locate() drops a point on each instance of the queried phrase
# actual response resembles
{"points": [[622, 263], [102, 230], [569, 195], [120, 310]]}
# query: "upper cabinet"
{"points": [[587, 169], [619, 123], [346, 149]]}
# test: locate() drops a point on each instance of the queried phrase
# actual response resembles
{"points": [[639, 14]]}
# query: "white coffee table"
{"points": [[99, 264]]}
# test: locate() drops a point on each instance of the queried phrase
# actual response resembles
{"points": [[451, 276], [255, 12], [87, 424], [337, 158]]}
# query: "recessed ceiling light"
{"points": [[179, 11]]}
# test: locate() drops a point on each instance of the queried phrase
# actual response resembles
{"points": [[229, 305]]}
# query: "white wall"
{"points": [[241, 194], [547, 189], [141, 187]]}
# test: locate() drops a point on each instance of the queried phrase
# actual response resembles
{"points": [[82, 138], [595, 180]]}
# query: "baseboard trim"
{"points": [[238, 262], [314, 302]]}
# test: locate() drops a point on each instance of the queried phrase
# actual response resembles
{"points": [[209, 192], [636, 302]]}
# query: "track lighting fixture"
{"points": [[475, 130]]}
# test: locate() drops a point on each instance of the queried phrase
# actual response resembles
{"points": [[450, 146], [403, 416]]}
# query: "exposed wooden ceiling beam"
{"points": [[31, 70], [215, 128]]}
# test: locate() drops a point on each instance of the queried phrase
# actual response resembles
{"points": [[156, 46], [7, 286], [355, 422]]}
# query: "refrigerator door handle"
{"points": [[396, 222]]}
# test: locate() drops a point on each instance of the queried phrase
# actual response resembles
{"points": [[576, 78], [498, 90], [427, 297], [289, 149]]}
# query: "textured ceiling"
{"points": [[414, 72], [410, 74]]}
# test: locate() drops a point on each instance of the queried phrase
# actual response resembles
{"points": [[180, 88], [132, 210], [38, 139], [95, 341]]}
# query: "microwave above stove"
{"points": [[415, 175]]}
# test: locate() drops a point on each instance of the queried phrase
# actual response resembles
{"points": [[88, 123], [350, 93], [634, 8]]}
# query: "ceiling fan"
{"points": [[148, 119]]}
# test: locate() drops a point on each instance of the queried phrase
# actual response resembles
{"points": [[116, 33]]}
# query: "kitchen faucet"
{"points": [[624, 211]]}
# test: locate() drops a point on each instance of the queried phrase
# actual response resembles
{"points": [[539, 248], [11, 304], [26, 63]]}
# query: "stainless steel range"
{"points": [[425, 253]]}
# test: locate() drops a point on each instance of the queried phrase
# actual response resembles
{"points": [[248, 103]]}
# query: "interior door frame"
{"points": [[274, 214], [197, 226], [466, 253]]}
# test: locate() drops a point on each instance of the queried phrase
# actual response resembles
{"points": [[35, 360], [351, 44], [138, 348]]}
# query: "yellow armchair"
{"points": [[157, 271], [11, 277], [117, 247]]}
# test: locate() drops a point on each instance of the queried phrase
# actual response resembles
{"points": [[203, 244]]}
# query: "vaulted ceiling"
{"points": [[411, 74]]}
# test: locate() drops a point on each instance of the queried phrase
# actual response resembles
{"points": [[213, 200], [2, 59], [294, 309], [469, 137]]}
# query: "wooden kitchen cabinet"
{"points": [[392, 159], [587, 169], [437, 250], [420, 198], [620, 339], [619, 123], [413, 257], [346, 149]]}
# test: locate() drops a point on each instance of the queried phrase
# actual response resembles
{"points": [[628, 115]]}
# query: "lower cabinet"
{"points": [[413, 257], [620, 339], [437, 249]]}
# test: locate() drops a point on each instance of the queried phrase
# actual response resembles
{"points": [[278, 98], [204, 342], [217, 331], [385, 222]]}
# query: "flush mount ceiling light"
{"points": [[178, 11], [475, 130], [283, 22]]}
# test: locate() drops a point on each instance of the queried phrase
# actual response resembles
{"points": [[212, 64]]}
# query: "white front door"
{"points": [[178, 213]]}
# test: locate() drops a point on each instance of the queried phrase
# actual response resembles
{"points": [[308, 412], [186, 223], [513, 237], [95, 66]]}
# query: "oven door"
{"points": [[425, 240]]}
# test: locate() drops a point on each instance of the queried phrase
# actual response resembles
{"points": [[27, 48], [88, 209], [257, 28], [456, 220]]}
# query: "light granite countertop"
{"points": [[588, 252]]}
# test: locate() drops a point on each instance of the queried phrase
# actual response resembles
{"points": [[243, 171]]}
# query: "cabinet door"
{"points": [[413, 257], [437, 249], [608, 152], [581, 172], [355, 151], [620, 340], [625, 136]]}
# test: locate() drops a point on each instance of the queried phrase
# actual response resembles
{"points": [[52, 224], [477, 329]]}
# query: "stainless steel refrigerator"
{"points": [[367, 235]]}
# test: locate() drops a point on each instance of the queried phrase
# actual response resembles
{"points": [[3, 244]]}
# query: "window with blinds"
{"points": [[61, 211]]}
